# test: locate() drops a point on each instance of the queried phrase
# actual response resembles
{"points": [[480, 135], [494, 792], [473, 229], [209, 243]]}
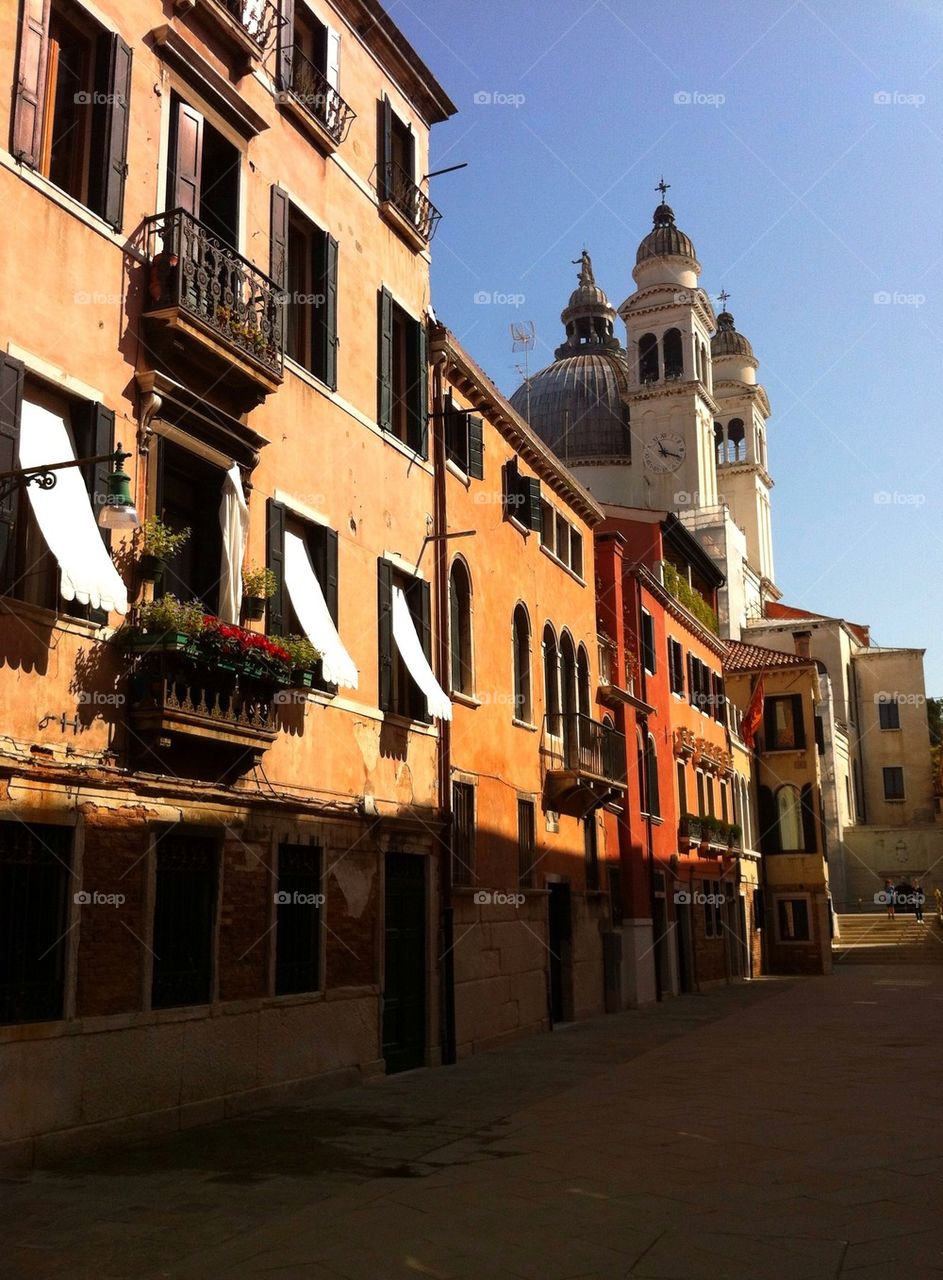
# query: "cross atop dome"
{"points": [[723, 297], [664, 187]]}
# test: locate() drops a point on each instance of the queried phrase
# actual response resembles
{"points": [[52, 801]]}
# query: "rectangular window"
{"points": [[713, 927], [310, 298], [723, 801], [71, 110], [35, 879], [521, 497], [28, 570], [559, 537], [526, 841], [591, 851], [298, 903], [463, 833], [783, 726], [792, 919], [700, 793], [203, 179], [189, 489], [548, 527], [682, 788], [464, 441], [676, 666], [889, 714], [710, 796], [576, 552], [403, 391], [563, 540], [398, 691], [648, 642], [184, 920], [893, 783]]}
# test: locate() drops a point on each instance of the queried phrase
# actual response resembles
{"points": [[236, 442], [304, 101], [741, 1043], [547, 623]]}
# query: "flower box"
{"points": [[159, 641]]}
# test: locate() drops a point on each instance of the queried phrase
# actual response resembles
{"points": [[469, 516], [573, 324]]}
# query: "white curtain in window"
{"points": [[65, 516], [410, 649], [234, 522], [308, 601]]}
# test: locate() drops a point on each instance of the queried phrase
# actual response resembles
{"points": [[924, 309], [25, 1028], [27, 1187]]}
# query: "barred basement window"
{"points": [[298, 919], [34, 885], [526, 841], [463, 833], [184, 919]]}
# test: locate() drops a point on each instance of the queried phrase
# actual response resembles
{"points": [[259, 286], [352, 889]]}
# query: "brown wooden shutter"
{"points": [[422, 616], [278, 238], [420, 394], [329, 581], [385, 635], [109, 201], [809, 824], [286, 44], [798, 719], [275, 560], [11, 401], [188, 152], [384, 150], [31, 82], [385, 362], [330, 312], [769, 821]]}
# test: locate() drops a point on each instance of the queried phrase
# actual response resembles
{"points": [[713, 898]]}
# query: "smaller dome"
{"points": [[589, 316], [727, 342], [665, 240]]}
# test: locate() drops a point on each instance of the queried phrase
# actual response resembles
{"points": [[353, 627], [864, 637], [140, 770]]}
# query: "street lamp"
{"points": [[117, 508]]}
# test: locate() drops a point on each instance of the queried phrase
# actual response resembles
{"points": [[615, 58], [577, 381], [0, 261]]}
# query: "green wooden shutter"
{"points": [[11, 401], [476, 449], [420, 390], [329, 581], [809, 825], [278, 239], [384, 149], [385, 362], [330, 311], [385, 635], [275, 560], [286, 44], [422, 616], [94, 435], [769, 821], [109, 201], [798, 719], [532, 513]]}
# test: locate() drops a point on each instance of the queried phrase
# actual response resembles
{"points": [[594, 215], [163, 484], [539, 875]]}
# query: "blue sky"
{"points": [[807, 169]]}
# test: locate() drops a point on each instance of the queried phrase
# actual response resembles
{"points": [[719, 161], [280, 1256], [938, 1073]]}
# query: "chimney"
{"points": [[803, 642]]}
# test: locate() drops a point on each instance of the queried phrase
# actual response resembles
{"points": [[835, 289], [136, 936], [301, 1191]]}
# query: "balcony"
{"points": [[315, 103], [205, 299], [405, 206], [247, 27], [585, 763], [616, 684], [708, 834]]}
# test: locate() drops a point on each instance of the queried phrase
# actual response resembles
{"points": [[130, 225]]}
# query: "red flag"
{"points": [[753, 716]]}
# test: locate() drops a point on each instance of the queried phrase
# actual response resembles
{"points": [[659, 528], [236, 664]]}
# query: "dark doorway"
{"points": [[560, 932], [685, 947], [404, 992]]}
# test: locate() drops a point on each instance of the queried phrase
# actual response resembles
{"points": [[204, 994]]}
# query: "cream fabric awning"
{"points": [[65, 516], [234, 523], [410, 648], [308, 601]]}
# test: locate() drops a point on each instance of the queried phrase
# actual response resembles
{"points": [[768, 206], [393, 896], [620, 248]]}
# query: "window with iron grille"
{"points": [[298, 903], [591, 852], [526, 841], [34, 888], [184, 920], [463, 833]]}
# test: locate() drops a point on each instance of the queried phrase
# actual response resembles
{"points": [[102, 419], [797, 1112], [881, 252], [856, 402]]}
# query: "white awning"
{"points": [[234, 523], [410, 648], [309, 604], [65, 516]]}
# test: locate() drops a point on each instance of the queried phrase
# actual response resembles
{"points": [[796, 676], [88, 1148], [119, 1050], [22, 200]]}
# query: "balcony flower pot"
{"points": [[302, 679], [152, 567], [254, 607], [159, 642]]}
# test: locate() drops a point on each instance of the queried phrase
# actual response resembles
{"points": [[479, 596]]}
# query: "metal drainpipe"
{"points": [[444, 753]]}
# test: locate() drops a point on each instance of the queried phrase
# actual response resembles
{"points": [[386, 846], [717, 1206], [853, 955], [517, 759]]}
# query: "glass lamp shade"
{"points": [[118, 515]]}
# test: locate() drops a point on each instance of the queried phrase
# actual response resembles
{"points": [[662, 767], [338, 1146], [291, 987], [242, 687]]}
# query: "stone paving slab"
{"points": [[739, 1135]]}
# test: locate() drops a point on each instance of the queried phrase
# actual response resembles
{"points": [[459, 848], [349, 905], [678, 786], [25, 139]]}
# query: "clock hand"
{"points": [[662, 450], [668, 454]]}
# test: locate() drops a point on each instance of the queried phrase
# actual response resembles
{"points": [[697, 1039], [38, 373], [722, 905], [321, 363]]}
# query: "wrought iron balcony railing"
{"points": [[258, 18], [194, 270], [397, 188], [587, 747], [310, 89]]}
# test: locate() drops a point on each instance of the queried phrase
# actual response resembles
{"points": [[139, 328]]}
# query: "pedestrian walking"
{"points": [[919, 899], [890, 897]]}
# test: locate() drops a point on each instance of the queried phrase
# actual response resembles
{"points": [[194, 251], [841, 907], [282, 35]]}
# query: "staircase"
{"points": [[873, 939]]}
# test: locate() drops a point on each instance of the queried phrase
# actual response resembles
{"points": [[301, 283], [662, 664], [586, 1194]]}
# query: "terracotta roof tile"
{"points": [[755, 657]]}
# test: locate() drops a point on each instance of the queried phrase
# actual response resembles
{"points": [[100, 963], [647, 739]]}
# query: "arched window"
{"points": [[551, 681], [736, 441], [720, 447], [568, 695], [582, 681], [523, 703], [651, 777], [703, 350], [789, 817], [760, 448], [640, 766], [460, 629], [648, 358], [673, 353]]}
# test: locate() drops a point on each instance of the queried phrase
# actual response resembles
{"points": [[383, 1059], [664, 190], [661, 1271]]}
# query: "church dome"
{"points": [[576, 405], [727, 342], [665, 239]]}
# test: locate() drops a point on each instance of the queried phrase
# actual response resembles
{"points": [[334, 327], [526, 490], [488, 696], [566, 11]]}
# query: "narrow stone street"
{"points": [[786, 1129]]}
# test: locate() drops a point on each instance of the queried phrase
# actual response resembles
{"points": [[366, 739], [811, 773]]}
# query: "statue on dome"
{"points": [[585, 264]]}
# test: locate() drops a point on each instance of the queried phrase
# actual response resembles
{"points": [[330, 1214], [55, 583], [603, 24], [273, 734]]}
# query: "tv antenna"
{"points": [[524, 338]]}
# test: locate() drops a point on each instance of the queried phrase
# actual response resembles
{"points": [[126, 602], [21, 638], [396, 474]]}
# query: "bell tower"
{"points": [[669, 320]]}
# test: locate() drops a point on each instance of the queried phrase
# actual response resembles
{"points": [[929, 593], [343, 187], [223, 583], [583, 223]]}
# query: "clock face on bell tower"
{"points": [[664, 452]]}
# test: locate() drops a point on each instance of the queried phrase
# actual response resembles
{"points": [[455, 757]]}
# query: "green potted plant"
{"points": [[159, 543], [258, 585], [691, 828], [165, 624], [305, 659]]}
